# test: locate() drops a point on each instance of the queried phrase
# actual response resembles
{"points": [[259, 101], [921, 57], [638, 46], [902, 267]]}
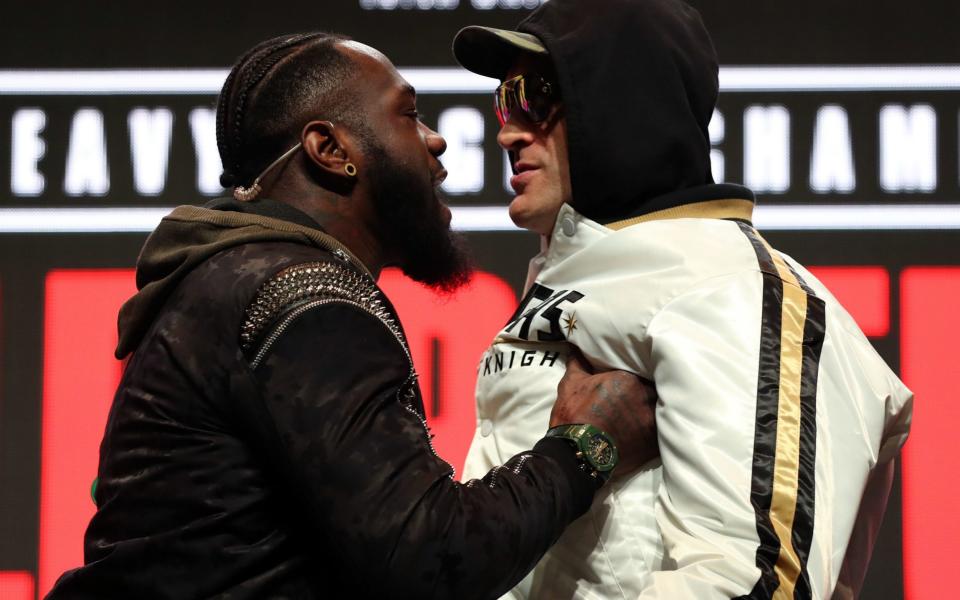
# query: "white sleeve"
{"points": [[731, 361], [873, 504], [865, 532]]}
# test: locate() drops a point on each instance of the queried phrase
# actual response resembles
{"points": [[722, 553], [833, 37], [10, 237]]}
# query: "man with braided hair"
{"points": [[267, 439]]}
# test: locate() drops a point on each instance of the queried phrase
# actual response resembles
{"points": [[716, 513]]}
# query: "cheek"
{"points": [[552, 188], [557, 145], [565, 187], [562, 163]]}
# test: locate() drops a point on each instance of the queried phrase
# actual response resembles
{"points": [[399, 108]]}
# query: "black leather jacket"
{"points": [[267, 439]]}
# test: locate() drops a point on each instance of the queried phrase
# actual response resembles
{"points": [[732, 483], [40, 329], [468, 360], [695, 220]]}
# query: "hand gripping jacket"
{"points": [[777, 421], [267, 439]]}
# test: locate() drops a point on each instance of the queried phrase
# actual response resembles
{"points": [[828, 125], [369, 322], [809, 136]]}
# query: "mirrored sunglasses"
{"points": [[531, 93]]}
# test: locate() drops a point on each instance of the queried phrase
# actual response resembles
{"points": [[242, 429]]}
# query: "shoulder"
{"points": [[244, 267], [694, 247], [223, 294], [649, 265], [308, 287]]}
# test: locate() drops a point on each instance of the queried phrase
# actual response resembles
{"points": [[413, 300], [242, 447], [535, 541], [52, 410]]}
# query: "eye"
{"points": [[416, 115]]}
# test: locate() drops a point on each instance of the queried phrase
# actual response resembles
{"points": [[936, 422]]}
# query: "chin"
{"points": [[527, 217], [519, 217]]}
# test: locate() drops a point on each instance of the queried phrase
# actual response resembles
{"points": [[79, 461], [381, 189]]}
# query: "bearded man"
{"points": [[268, 439], [778, 423]]}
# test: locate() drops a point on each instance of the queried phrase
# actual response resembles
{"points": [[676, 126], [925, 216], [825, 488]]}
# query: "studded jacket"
{"points": [[267, 439]]}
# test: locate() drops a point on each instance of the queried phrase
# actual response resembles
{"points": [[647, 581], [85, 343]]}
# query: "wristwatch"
{"points": [[595, 449]]}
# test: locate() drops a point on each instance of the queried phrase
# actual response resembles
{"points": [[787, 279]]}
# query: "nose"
{"points": [[514, 134], [435, 142]]}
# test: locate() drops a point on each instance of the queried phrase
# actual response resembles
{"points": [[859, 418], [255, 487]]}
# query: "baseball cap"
{"points": [[491, 52]]}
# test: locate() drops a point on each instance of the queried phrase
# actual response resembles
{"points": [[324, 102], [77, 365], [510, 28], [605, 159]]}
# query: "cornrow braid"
{"points": [[228, 178], [242, 84]]}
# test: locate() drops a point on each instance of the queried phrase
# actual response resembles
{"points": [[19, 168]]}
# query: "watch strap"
{"points": [[595, 449]]}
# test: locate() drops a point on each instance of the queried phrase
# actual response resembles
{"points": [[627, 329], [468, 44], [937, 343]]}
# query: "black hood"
{"points": [[639, 84]]}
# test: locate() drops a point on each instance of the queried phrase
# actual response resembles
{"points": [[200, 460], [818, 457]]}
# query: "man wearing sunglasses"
{"points": [[777, 421]]}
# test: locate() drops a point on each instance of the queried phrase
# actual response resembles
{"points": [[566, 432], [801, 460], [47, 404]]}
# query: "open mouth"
{"points": [[439, 177]]}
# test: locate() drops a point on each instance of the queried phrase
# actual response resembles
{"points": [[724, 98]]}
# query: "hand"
{"points": [[617, 402]]}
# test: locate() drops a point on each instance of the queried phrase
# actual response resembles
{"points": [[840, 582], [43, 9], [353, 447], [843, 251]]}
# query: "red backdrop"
{"points": [[447, 336]]}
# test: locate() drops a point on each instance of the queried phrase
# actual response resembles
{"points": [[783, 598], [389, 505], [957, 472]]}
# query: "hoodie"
{"points": [[639, 81], [190, 235]]}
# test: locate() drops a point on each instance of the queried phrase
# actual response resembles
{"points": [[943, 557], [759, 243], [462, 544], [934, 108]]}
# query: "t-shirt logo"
{"points": [[543, 304]]}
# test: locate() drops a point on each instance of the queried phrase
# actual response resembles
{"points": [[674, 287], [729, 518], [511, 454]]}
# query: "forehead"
{"points": [[376, 75]]}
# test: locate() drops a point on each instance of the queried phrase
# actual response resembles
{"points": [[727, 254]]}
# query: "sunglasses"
{"points": [[532, 94]]}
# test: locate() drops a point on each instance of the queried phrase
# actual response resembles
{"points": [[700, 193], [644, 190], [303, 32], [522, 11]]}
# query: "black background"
{"points": [[213, 33]]}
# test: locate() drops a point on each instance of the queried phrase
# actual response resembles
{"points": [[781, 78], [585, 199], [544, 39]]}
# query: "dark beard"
{"points": [[413, 225]]}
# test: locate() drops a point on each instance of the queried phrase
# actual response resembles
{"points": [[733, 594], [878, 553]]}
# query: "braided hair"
{"points": [[272, 92]]}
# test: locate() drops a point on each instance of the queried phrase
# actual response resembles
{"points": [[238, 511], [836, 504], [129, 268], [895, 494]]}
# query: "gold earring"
{"points": [[350, 169]]}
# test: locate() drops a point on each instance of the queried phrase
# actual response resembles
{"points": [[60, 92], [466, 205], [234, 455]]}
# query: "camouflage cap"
{"points": [[491, 52]]}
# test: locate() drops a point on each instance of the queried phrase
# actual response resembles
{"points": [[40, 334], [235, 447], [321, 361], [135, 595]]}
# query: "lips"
{"points": [[524, 172], [439, 177], [522, 166]]}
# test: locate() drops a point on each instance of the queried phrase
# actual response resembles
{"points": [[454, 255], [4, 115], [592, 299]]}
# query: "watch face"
{"points": [[601, 452]]}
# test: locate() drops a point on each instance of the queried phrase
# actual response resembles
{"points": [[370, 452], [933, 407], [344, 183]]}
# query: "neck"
{"points": [[340, 216]]}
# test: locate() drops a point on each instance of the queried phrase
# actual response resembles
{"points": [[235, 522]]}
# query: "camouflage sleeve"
{"points": [[381, 508]]}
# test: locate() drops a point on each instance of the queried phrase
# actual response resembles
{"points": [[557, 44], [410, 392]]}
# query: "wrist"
{"points": [[582, 487], [595, 450]]}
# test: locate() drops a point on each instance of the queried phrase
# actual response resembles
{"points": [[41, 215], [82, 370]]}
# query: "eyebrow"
{"points": [[410, 90]]}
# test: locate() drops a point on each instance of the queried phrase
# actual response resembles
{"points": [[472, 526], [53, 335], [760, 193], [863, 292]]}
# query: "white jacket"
{"points": [[777, 420]]}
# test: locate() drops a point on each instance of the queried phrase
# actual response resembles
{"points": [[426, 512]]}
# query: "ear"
{"points": [[327, 149]]}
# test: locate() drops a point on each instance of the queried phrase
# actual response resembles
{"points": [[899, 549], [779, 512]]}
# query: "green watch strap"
{"points": [[595, 448]]}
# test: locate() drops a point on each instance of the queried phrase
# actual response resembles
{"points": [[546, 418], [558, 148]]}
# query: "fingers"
{"points": [[648, 392], [577, 370], [577, 364]]}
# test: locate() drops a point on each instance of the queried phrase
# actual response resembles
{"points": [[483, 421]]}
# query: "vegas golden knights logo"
{"points": [[542, 307]]}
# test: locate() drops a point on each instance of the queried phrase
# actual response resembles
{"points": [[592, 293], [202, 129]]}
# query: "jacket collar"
{"points": [[728, 208], [695, 202], [265, 207], [573, 231]]}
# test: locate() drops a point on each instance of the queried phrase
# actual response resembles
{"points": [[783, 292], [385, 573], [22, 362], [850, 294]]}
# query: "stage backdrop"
{"points": [[845, 122]]}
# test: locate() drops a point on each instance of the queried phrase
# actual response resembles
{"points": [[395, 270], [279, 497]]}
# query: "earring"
{"points": [[350, 169]]}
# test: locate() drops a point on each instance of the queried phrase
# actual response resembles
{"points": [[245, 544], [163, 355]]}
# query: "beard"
{"points": [[414, 225]]}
